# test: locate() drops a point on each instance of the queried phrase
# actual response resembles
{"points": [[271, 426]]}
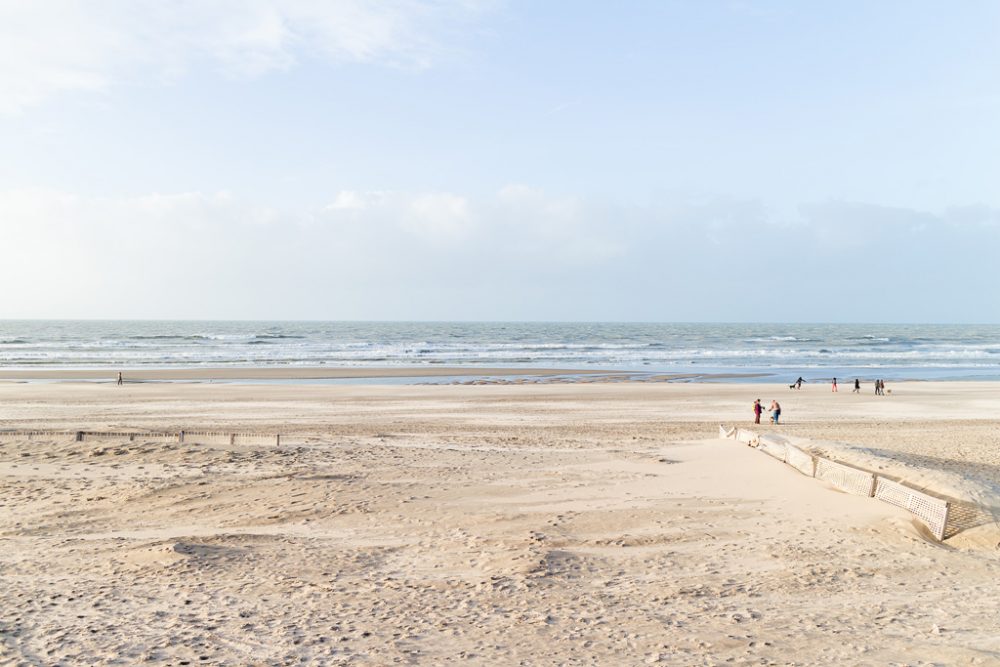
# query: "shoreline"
{"points": [[277, 373], [461, 374]]}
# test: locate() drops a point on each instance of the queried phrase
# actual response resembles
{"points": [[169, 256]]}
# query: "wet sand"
{"points": [[279, 373]]}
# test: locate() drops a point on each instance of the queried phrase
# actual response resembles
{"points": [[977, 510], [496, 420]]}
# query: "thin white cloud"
{"points": [[518, 253], [349, 200], [216, 255], [51, 47], [439, 216]]}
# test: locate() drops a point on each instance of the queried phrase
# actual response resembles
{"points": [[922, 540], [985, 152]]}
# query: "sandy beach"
{"points": [[544, 524], [430, 333]]}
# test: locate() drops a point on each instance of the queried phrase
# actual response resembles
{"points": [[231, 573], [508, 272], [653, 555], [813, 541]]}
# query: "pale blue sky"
{"points": [[501, 160]]}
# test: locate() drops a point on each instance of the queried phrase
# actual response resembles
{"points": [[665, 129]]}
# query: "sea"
{"points": [[738, 352]]}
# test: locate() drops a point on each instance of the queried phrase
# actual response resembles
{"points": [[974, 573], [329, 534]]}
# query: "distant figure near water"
{"points": [[798, 383], [757, 409], [121, 380], [857, 386], [834, 387]]}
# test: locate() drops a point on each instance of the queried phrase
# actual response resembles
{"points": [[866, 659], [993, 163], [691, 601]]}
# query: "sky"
{"points": [[500, 160]]}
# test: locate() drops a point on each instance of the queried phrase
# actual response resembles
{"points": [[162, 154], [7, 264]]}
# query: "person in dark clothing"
{"points": [[857, 386], [757, 409]]}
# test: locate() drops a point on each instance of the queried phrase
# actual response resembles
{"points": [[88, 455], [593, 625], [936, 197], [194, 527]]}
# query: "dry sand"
{"points": [[495, 525]]}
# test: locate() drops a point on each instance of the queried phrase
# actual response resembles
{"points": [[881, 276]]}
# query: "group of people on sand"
{"points": [[879, 386], [758, 409], [775, 407]]}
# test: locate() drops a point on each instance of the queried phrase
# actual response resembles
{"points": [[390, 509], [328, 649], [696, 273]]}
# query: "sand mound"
{"points": [[982, 538]]}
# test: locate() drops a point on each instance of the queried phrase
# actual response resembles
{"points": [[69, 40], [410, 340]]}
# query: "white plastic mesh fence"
{"points": [[800, 460], [256, 438], [771, 447], [933, 511], [845, 478], [207, 438], [221, 438], [156, 437], [131, 436]]}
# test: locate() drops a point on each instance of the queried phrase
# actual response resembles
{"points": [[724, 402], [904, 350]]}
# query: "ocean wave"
{"points": [[100, 344], [170, 337], [783, 339]]}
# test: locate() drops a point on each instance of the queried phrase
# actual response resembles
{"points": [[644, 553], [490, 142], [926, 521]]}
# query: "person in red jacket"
{"points": [[757, 409]]}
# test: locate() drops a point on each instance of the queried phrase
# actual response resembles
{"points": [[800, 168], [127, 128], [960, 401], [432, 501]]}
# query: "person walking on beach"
{"points": [[121, 381], [834, 388], [757, 409], [879, 388], [775, 412], [798, 383], [857, 386]]}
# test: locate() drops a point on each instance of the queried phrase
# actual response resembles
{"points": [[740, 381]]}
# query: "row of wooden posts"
{"points": [[131, 436]]}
